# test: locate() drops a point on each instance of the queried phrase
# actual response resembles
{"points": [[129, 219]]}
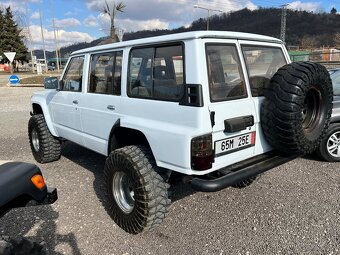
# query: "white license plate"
{"points": [[236, 143]]}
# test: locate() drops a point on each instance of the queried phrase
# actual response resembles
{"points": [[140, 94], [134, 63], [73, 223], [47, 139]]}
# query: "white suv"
{"points": [[221, 107]]}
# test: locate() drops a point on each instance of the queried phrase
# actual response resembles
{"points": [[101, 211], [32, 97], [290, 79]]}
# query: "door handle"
{"points": [[75, 101], [111, 107], [238, 124]]}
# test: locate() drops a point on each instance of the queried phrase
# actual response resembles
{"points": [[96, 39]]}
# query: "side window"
{"points": [[157, 73], [105, 74], [336, 84], [226, 81], [73, 78], [262, 63]]}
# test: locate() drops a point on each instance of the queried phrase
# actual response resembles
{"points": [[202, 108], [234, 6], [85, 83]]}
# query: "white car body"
{"points": [[88, 119]]}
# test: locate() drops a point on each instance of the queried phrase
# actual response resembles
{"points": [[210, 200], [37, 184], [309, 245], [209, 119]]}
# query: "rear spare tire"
{"points": [[297, 108]]}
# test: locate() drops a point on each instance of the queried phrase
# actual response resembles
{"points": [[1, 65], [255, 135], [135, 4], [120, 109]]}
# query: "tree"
{"points": [[334, 11], [337, 40], [11, 39], [119, 7], [308, 42]]}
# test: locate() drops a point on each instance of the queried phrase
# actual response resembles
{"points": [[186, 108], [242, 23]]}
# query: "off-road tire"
{"points": [[297, 108], [20, 245], [245, 183], [49, 146], [151, 198], [322, 151]]}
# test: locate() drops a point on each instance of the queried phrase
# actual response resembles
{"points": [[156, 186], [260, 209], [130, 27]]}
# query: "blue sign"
{"points": [[13, 79]]}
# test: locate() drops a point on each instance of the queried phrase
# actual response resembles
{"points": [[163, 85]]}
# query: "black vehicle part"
{"points": [[238, 124], [298, 106], [240, 172], [17, 189], [137, 193], [329, 147], [45, 147]]}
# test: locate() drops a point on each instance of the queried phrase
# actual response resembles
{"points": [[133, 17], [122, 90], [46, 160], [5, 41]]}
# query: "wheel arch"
{"points": [[41, 108], [125, 136]]}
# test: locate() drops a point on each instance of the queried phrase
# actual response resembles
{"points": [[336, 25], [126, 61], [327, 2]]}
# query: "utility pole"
{"points": [[55, 37], [43, 39], [284, 22], [209, 10], [30, 37]]}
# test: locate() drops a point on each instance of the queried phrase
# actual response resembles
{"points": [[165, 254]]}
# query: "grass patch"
{"points": [[35, 80]]}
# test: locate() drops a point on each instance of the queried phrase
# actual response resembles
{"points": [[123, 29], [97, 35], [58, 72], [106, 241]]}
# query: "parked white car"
{"points": [[219, 107]]}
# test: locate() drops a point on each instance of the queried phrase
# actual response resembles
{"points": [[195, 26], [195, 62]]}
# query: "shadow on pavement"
{"points": [[41, 221], [95, 162]]}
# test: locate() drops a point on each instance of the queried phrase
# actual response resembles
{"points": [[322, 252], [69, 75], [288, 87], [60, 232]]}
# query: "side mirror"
{"points": [[51, 83]]}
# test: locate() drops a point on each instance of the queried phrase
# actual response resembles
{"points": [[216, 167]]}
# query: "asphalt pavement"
{"points": [[293, 209]]}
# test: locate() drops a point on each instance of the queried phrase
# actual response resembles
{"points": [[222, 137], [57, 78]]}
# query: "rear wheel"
{"points": [[298, 106], [329, 149], [45, 147], [137, 193]]}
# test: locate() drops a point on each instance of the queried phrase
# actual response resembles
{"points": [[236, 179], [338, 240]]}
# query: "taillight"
{"points": [[202, 153], [38, 181]]}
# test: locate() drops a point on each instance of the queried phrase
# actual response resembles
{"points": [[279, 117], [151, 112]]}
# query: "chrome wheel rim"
{"points": [[333, 145], [123, 192], [35, 140]]}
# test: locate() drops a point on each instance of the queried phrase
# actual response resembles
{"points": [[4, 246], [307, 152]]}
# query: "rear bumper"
{"points": [[239, 174]]}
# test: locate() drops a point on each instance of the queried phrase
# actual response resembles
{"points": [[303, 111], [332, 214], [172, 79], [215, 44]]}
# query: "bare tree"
{"points": [[337, 40], [112, 11]]}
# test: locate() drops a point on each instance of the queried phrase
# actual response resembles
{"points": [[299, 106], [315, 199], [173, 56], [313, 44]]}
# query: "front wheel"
{"points": [[137, 194], [45, 147], [329, 149]]}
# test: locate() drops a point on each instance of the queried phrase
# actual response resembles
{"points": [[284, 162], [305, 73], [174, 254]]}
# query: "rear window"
{"points": [[226, 81], [262, 63]]}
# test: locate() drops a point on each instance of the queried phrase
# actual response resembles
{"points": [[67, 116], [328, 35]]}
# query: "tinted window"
{"points": [[224, 70], [73, 78], [157, 73], [105, 75], [336, 83], [262, 63]]}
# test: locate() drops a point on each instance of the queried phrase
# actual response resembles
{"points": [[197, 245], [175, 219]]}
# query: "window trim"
{"points": [[154, 46], [241, 72], [66, 71], [113, 68], [260, 46]]}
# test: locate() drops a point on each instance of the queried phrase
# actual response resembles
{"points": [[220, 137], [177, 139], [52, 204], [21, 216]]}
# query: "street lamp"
{"points": [[209, 10]]}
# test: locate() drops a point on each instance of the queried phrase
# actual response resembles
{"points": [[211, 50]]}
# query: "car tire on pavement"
{"points": [[297, 108], [45, 147], [329, 149], [137, 193]]}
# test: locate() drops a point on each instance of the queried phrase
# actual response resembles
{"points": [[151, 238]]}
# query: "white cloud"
{"points": [[64, 37], [165, 12], [35, 15], [91, 21], [306, 6], [70, 22]]}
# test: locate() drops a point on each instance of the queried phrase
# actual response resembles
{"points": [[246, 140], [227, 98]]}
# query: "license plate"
{"points": [[236, 143]]}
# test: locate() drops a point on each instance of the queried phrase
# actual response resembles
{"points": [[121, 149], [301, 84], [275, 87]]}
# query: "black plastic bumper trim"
{"points": [[242, 174]]}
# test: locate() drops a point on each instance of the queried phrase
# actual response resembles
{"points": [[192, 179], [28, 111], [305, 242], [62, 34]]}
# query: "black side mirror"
{"points": [[51, 83]]}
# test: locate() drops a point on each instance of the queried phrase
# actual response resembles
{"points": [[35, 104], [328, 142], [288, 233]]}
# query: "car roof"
{"points": [[181, 37]]}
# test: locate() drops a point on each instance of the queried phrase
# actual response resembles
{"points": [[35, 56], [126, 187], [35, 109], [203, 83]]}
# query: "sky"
{"points": [[83, 20]]}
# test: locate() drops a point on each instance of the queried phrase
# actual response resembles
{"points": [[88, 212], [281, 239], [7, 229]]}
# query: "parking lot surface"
{"points": [[293, 209]]}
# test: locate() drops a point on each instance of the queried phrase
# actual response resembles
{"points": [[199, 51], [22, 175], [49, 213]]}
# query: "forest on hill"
{"points": [[304, 29]]}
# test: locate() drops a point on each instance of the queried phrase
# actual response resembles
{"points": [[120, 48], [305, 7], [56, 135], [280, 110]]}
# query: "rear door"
{"points": [[231, 106], [100, 105], [262, 62]]}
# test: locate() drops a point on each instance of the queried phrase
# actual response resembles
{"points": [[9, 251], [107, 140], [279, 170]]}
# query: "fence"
{"points": [[328, 59]]}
